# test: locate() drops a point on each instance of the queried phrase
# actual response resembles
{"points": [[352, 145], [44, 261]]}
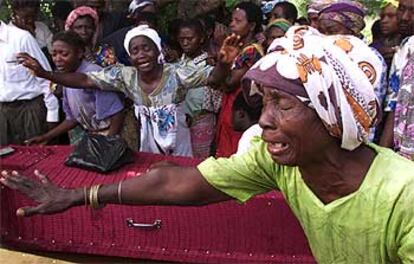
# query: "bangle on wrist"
{"points": [[120, 192], [93, 197]]}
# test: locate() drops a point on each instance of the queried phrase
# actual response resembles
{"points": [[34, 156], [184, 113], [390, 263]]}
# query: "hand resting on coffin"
{"points": [[161, 185], [51, 198]]}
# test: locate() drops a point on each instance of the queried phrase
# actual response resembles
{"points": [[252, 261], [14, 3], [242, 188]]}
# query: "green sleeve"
{"points": [[193, 77], [405, 226], [242, 177], [118, 78]]}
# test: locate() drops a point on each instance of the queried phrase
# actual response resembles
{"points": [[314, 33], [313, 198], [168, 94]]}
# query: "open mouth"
{"points": [[60, 68], [277, 148], [144, 65]]}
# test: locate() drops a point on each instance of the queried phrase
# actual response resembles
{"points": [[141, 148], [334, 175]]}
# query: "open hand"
{"points": [[230, 49], [32, 64], [220, 33], [51, 198]]}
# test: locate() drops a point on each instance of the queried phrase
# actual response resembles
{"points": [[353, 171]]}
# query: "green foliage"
{"points": [[373, 6], [301, 6], [45, 10]]}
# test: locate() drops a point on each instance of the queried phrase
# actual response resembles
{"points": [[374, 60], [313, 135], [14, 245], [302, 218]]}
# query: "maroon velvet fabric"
{"points": [[263, 230]]}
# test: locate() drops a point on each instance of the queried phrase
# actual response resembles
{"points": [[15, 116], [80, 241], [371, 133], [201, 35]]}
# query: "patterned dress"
{"points": [[400, 98], [201, 106], [161, 115], [227, 139]]}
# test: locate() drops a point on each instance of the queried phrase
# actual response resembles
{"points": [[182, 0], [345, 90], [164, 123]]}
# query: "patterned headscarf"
{"points": [[349, 13], [335, 75], [281, 23], [83, 11], [316, 6]]}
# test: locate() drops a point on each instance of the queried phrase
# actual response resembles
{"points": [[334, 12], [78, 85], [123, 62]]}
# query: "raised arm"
{"points": [[223, 76], [73, 79], [170, 185]]}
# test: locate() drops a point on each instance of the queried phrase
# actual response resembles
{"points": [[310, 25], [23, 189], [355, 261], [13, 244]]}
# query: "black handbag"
{"points": [[100, 153]]}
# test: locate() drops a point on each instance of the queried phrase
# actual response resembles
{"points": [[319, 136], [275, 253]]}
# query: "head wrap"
{"points": [[268, 6], [394, 3], [335, 75], [348, 13], [139, 4], [316, 6], [146, 31], [281, 23], [83, 11]]}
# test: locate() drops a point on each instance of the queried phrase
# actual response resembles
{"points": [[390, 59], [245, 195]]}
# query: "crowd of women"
{"points": [[174, 93]]}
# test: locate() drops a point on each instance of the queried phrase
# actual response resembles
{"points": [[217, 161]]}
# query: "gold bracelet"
{"points": [[93, 197], [120, 192]]}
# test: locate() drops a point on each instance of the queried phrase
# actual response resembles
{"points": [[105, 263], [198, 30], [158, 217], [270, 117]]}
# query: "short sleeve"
{"points": [[400, 225], [107, 104], [242, 177], [249, 56], [65, 106], [118, 78], [404, 225], [193, 77]]}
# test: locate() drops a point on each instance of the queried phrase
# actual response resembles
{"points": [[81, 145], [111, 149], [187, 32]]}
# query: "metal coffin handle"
{"points": [[132, 224]]}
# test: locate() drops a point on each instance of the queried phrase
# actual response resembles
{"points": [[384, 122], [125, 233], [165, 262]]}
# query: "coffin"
{"points": [[263, 230]]}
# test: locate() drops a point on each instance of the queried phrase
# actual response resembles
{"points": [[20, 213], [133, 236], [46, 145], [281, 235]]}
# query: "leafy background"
{"points": [[168, 12]]}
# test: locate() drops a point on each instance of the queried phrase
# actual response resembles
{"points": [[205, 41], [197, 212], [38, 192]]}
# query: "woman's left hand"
{"points": [[51, 198]]}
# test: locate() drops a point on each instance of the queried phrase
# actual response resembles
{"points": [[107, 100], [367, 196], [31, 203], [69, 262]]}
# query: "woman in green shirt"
{"points": [[353, 200]]}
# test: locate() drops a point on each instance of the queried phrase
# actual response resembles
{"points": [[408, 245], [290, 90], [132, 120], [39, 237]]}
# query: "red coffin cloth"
{"points": [[263, 230]]}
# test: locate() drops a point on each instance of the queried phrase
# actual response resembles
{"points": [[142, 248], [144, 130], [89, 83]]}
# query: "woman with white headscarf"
{"points": [[157, 89], [353, 199]]}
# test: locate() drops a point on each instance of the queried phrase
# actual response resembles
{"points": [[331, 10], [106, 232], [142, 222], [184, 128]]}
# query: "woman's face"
{"points": [[239, 24], [143, 54], [313, 19], [272, 34], [85, 28], [190, 41], [329, 27], [65, 57], [293, 132], [389, 21]]}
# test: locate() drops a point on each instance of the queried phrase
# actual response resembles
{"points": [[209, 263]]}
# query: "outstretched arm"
{"points": [[72, 79], [168, 185]]}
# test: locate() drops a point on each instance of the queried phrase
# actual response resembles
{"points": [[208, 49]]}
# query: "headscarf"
{"points": [[144, 30], [268, 6], [394, 3], [83, 11], [281, 23], [138, 4], [348, 13], [335, 75], [316, 6]]}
